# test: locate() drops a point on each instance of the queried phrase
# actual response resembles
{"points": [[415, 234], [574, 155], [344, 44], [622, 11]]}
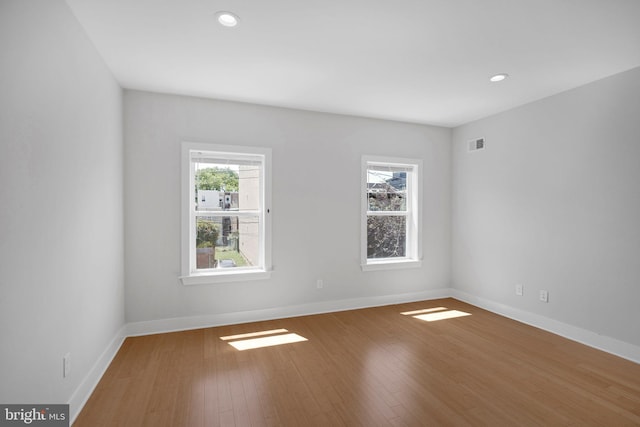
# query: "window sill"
{"points": [[224, 277], [391, 264]]}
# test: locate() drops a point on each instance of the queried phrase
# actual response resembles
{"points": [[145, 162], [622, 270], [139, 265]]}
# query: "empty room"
{"points": [[281, 213]]}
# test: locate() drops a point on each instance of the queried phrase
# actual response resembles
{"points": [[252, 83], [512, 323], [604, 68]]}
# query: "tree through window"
{"points": [[390, 210], [225, 214]]}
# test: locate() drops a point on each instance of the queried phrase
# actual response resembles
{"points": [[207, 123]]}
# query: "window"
{"points": [[390, 235], [226, 215]]}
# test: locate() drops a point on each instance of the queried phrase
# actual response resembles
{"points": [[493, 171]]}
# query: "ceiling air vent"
{"points": [[476, 144]]}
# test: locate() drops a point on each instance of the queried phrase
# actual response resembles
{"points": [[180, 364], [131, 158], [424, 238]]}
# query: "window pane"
{"points": [[386, 236], [387, 201], [226, 186], [227, 241], [386, 190]]}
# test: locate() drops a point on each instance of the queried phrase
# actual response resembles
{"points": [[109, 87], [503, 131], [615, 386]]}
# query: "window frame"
{"points": [[189, 274], [413, 214]]}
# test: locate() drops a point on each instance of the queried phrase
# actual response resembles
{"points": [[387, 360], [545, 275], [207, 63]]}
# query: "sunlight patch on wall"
{"points": [[260, 339]]}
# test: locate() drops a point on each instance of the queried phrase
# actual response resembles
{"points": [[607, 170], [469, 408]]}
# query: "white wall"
{"points": [[316, 204], [61, 226], [553, 203]]}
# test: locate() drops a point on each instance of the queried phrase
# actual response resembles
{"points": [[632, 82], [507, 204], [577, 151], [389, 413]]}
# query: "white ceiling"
{"points": [[424, 61]]}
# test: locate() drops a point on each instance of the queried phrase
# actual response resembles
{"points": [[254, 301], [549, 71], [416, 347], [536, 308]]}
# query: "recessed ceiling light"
{"points": [[498, 77], [227, 19]]}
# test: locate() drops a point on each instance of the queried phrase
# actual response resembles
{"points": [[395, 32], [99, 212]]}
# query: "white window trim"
{"points": [[414, 225], [188, 276]]}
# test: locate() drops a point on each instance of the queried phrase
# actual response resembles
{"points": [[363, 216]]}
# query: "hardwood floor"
{"points": [[369, 367]]}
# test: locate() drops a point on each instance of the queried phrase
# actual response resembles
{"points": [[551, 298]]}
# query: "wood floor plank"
{"points": [[369, 367]]}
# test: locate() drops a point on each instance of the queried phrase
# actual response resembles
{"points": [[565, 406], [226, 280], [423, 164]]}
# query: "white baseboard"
{"points": [[85, 389], [206, 321], [601, 342]]}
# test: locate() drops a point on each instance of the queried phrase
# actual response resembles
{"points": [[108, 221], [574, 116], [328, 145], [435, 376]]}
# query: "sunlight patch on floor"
{"points": [[270, 341], [435, 313], [442, 315], [424, 310], [253, 334], [260, 339]]}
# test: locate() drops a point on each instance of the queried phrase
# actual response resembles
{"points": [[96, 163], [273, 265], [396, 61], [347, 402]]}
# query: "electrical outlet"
{"points": [[544, 296], [66, 365], [320, 284], [519, 290]]}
